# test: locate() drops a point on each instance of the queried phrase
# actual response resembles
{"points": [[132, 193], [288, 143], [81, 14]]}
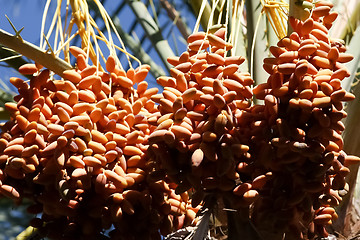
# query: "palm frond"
{"points": [[138, 51], [205, 15], [176, 18], [348, 19], [353, 48], [257, 40], [152, 31]]}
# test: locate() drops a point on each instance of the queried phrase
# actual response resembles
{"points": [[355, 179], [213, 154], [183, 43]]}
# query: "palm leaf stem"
{"points": [[238, 36], [176, 18], [33, 52], [257, 41], [297, 11], [353, 21], [29, 233], [353, 48], [196, 5], [136, 23], [152, 31]]}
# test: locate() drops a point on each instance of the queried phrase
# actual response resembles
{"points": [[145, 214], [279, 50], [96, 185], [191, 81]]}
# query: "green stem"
{"points": [[196, 5], [177, 19], [33, 52], [152, 30], [29, 233], [297, 11], [257, 48], [353, 21]]}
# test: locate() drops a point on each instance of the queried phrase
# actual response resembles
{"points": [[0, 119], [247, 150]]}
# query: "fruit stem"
{"points": [[33, 52], [299, 10], [85, 38], [29, 233]]}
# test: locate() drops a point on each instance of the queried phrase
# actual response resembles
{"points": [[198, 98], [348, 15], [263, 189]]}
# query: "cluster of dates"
{"points": [[205, 122], [285, 156], [77, 148], [97, 150], [303, 101]]}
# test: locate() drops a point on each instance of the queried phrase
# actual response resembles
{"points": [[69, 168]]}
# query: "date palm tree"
{"points": [[154, 30]]}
